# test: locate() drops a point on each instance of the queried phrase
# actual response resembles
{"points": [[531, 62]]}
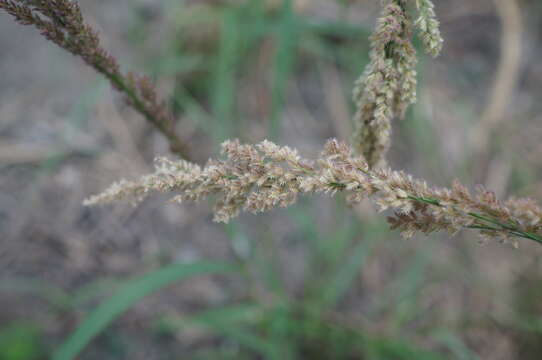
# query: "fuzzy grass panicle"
{"points": [[260, 177], [429, 27], [387, 87], [388, 84]]}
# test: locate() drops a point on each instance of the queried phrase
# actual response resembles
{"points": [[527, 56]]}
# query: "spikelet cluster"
{"points": [[388, 84], [387, 87], [428, 27], [264, 176]]}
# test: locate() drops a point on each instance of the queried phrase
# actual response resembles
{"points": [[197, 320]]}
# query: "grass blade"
{"points": [[226, 75], [235, 322], [127, 296], [286, 42], [346, 274]]}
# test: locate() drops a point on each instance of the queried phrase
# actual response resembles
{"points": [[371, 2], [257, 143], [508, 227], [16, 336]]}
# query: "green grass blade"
{"points": [[455, 345], [287, 42], [233, 322], [397, 349], [226, 74], [346, 274], [127, 296]]}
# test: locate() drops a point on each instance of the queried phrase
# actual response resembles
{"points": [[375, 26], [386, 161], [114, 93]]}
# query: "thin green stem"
{"points": [[513, 230]]}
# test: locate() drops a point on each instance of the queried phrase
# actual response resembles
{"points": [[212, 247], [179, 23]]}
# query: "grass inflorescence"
{"points": [[260, 177], [61, 22]]}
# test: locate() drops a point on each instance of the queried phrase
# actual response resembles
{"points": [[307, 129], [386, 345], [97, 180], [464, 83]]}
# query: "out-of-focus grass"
{"points": [[310, 325], [21, 341], [126, 297]]}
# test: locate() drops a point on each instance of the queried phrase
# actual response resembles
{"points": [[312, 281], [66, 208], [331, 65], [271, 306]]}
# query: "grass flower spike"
{"points": [[428, 25], [388, 85], [261, 177]]}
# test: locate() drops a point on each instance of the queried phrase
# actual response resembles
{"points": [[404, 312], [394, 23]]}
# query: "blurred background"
{"points": [[316, 281]]}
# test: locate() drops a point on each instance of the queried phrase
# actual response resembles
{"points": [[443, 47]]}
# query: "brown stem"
{"points": [[61, 22]]}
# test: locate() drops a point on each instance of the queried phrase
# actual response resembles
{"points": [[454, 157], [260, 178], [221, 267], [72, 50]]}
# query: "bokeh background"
{"points": [[315, 281]]}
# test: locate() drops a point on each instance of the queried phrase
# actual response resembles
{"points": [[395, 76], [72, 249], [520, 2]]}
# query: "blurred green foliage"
{"points": [[21, 341]]}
